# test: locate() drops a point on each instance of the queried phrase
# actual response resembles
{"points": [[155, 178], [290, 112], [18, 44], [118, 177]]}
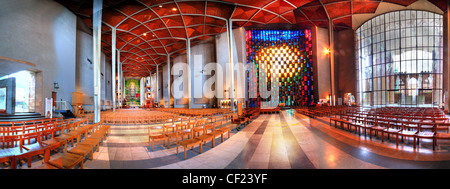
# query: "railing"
{"points": [[62, 105]]}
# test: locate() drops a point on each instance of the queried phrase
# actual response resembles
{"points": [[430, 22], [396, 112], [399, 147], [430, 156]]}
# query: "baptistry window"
{"points": [[399, 59]]}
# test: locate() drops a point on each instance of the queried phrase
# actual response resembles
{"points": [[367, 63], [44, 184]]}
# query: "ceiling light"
{"points": [[160, 6], [145, 34], [174, 9]]}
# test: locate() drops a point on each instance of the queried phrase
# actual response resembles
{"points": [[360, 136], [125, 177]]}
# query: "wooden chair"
{"points": [[391, 129], [207, 136], [185, 130], [223, 130], [355, 123], [82, 150], [378, 127], [406, 131], [67, 161], [198, 127], [444, 134], [27, 151], [172, 134], [368, 123], [190, 143], [425, 132], [48, 137], [9, 141], [153, 137]]}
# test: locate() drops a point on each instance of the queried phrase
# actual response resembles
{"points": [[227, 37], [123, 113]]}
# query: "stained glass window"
{"points": [[285, 55]]}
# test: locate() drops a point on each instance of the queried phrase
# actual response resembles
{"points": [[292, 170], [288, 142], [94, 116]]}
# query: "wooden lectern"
{"points": [[77, 102]]}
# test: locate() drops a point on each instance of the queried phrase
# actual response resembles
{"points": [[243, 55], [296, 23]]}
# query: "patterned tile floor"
{"points": [[271, 141]]}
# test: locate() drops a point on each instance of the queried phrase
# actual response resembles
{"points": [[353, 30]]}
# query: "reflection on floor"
{"points": [[271, 141]]}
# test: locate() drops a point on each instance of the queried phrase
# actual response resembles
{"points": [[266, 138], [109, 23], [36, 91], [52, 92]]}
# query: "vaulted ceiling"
{"points": [[149, 30]]}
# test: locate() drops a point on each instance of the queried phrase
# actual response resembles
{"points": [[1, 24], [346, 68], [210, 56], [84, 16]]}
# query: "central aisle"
{"points": [[271, 141]]}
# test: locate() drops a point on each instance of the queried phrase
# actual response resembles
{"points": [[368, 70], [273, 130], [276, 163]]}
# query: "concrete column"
{"points": [[230, 52], [188, 58], [157, 83], [97, 26], [119, 78], [123, 85], [446, 54], [113, 69], [168, 80], [331, 55]]}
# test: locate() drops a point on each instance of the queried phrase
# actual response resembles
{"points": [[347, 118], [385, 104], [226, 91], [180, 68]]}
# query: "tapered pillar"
{"points": [[446, 58], [157, 84], [119, 78], [168, 80], [113, 69], [97, 26], [123, 85], [188, 58], [230, 53], [331, 55]]}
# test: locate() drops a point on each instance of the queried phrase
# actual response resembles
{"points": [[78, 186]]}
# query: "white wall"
{"points": [[323, 64], [42, 32], [85, 73], [201, 54], [45, 33], [177, 86], [239, 57]]}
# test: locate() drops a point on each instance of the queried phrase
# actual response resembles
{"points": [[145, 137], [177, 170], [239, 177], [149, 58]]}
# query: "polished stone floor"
{"points": [[271, 141]]}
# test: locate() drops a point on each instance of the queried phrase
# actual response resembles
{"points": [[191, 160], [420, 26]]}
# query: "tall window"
{"points": [[399, 59]]}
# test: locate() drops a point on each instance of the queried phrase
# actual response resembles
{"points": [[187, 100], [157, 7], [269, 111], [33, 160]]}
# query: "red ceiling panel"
{"points": [[196, 7], [112, 17], [155, 43], [126, 36], [178, 32], [219, 9], [214, 21], [195, 31], [315, 12], [193, 20], [297, 3], [279, 6], [166, 9], [401, 2], [263, 16], [255, 3], [145, 15], [155, 24], [129, 7], [140, 30], [212, 30], [166, 41], [332, 1], [128, 24], [244, 12], [164, 33], [160, 50], [289, 16], [361, 7], [279, 20], [173, 21], [344, 22], [340, 9], [237, 24]]}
